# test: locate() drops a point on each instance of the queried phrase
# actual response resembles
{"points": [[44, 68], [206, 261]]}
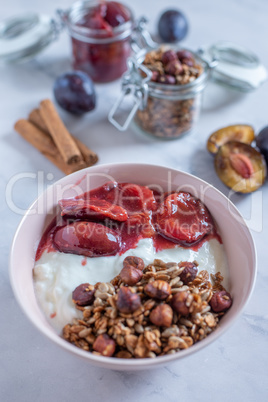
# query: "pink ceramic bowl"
{"points": [[236, 238]]}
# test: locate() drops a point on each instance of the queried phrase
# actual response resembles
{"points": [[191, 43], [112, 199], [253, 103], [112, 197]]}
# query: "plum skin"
{"points": [[262, 142], [87, 238], [75, 92], [172, 26]]}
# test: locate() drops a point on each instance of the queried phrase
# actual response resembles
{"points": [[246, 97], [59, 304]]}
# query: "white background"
{"points": [[234, 368]]}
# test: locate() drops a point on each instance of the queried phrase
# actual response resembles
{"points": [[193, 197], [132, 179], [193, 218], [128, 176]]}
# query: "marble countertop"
{"points": [[234, 367]]}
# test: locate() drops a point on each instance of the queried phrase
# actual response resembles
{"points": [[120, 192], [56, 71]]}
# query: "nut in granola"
{"points": [[162, 315], [158, 289], [130, 275], [104, 345], [179, 303], [83, 295], [153, 328], [127, 302], [135, 262], [189, 271], [221, 301]]}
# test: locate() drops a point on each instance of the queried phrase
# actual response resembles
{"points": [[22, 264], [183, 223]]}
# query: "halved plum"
{"points": [[100, 192], [140, 224], [87, 238], [94, 19], [239, 132], [133, 197], [183, 219], [92, 209], [240, 167], [116, 14]]}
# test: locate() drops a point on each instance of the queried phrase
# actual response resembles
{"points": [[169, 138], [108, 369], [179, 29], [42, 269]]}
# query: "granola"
{"points": [[156, 327], [169, 113]]}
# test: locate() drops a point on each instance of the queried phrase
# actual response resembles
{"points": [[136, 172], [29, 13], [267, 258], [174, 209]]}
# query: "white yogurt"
{"points": [[57, 274]]}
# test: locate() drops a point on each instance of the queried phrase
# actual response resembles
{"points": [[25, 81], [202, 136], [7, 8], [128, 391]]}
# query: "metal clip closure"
{"points": [[140, 38], [134, 84]]}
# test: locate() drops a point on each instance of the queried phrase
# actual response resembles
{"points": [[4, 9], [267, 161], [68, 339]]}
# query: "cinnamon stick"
{"points": [[36, 118], [61, 136], [44, 143], [88, 155]]}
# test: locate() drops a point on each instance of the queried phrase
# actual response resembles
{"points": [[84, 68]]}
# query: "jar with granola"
{"points": [[168, 84], [175, 91]]}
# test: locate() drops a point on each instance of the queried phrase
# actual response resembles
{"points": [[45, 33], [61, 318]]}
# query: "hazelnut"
{"points": [[162, 315], [169, 56], [83, 295], [104, 345], [155, 75], [167, 79], [188, 62], [221, 301], [186, 57], [179, 303], [158, 289], [127, 302], [135, 262], [190, 271], [130, 275], [174, 68], [184, 54]]}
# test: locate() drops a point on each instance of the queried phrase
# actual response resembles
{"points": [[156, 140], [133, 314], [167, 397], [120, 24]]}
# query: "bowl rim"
{"points": [[143, 363]]}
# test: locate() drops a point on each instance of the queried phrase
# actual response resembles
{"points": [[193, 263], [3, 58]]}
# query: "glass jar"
{"points": [[164, 110], [170, 114], [101, 53], [168, 107], [172, 110], [102, 40]]}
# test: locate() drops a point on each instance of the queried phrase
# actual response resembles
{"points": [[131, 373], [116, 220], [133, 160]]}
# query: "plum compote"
{"points": [[113, 218], [101, 40]]}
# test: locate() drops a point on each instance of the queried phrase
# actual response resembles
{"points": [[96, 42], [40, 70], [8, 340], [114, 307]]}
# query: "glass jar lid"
{"points": [[24, 36], [237, 67]]}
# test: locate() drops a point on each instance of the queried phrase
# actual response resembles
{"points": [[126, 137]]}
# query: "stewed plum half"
{"points": [[116, 14], [134, 198], [183, 219], [93, 208], [90, 239], [105, 16]]}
